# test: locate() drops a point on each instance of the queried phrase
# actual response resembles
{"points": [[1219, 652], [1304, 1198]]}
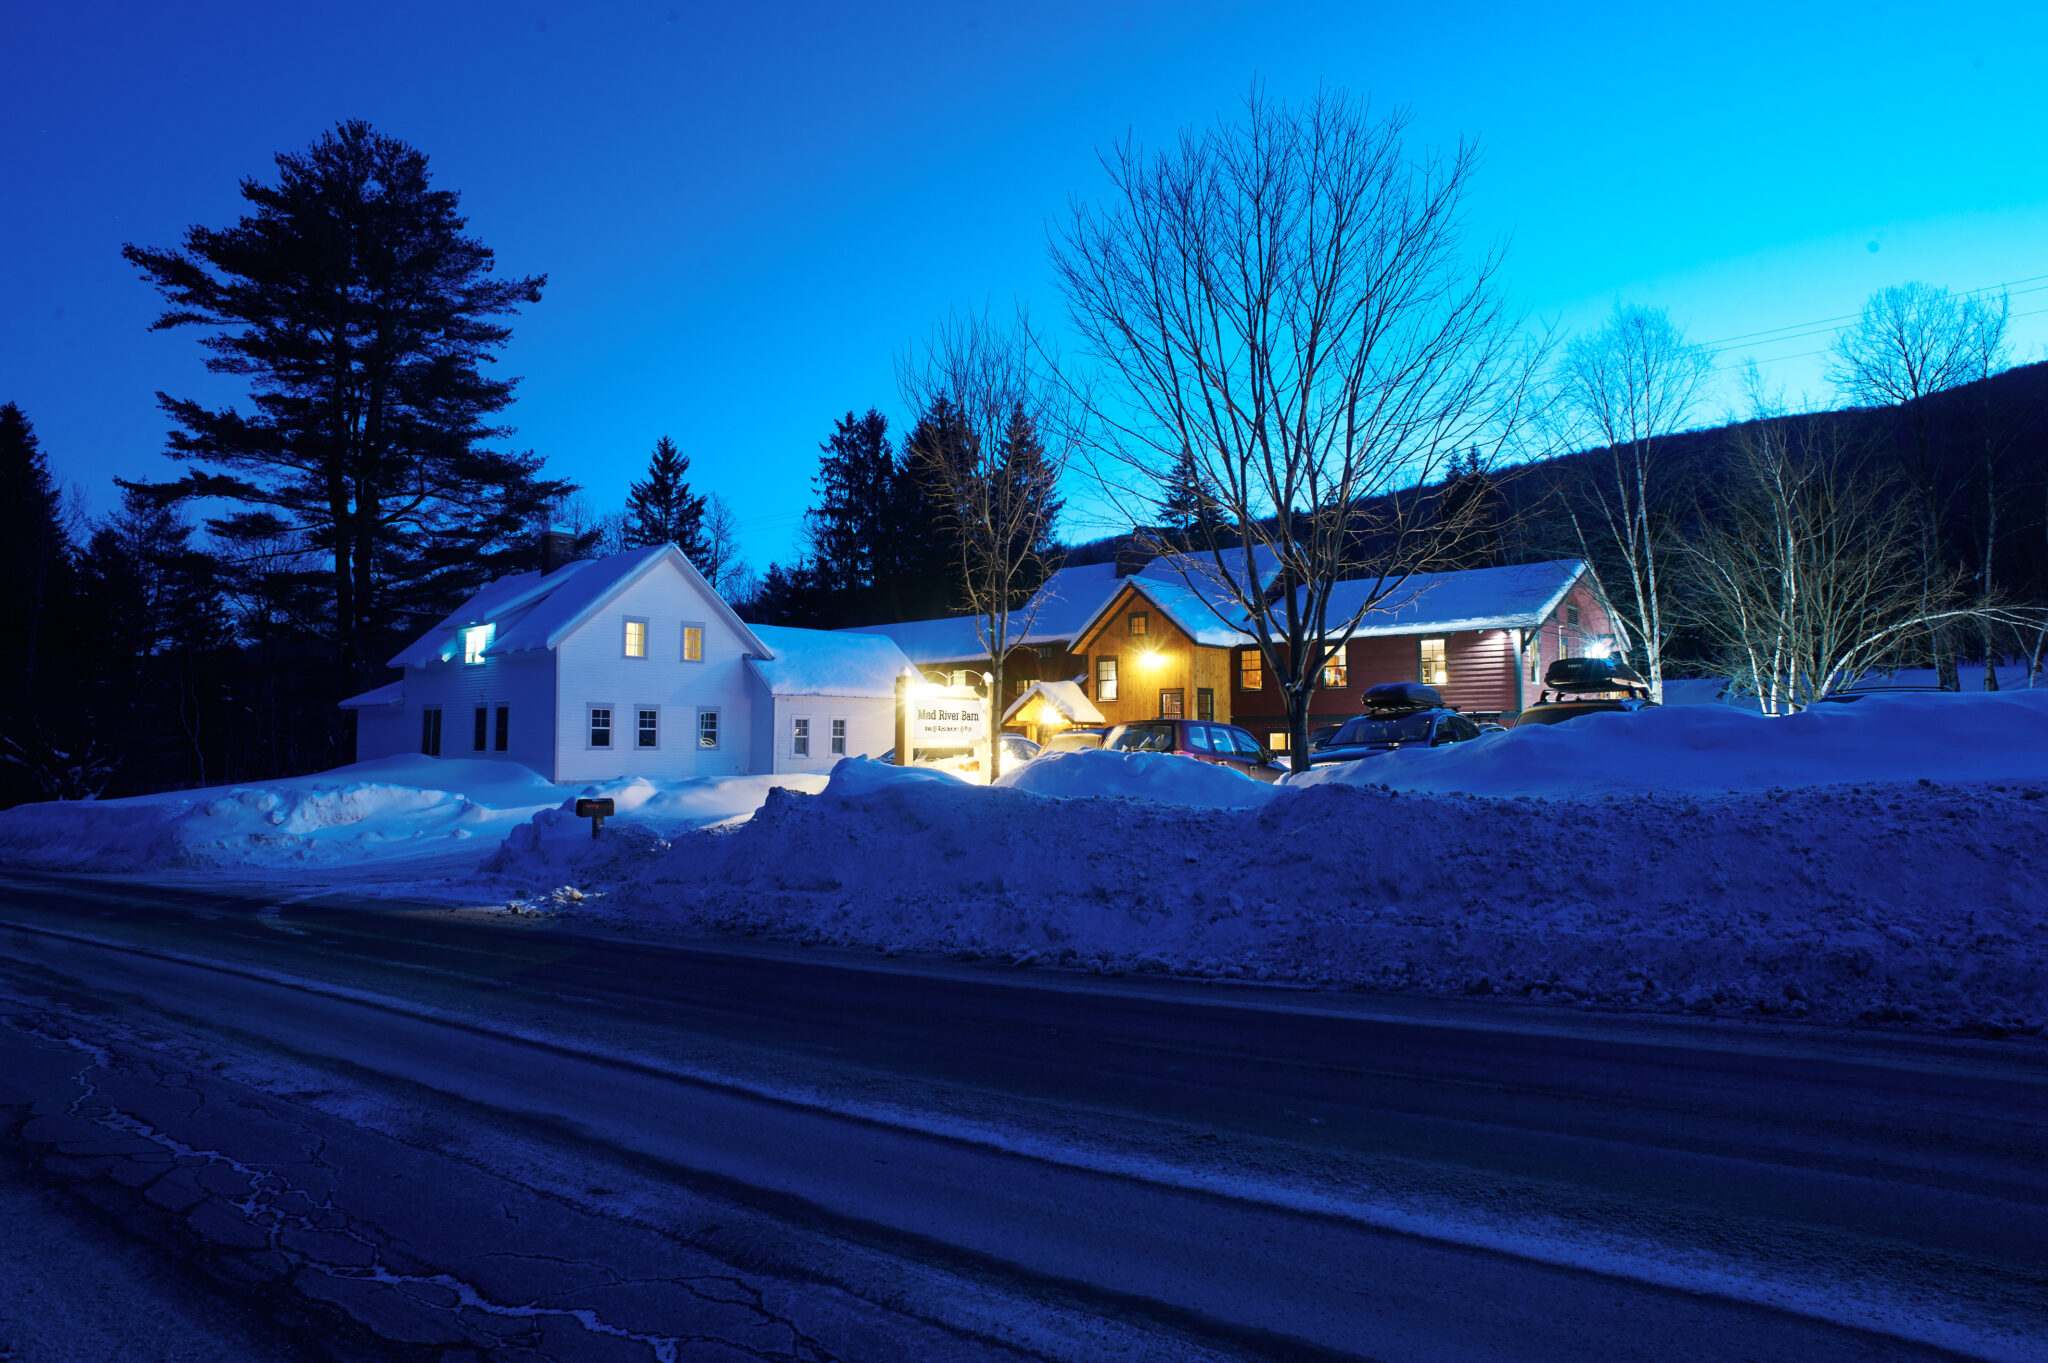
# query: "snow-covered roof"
{"points": [[1522, 596], [1201, 615], [1065, 698], [1200, 569], [818, 662], [534, 611], [391, 693], [1067, 600]]}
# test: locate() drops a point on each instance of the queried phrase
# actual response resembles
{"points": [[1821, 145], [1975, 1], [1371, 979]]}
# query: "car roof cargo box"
{"points": [[1592, 674], [1402, 696]]}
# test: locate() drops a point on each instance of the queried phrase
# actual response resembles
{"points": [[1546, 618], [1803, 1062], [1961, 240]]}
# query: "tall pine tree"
{"points": [[362, 317], [35, 560], [661, 509]]}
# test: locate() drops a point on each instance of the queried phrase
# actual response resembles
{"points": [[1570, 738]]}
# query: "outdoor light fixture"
{"points": [[1152, 658]]}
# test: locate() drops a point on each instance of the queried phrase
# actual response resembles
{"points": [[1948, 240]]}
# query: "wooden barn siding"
{"points": [[1481, 665]]}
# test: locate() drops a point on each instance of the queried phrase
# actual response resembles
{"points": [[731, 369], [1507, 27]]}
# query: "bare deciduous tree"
{"points": [[994, 464], [721, 563], [1627, 388], [1806, 573], [1284, 314], [1913, 342]]}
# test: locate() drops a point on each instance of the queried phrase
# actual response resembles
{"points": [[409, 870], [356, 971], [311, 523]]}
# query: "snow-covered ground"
{"points": [[1884, 860]]}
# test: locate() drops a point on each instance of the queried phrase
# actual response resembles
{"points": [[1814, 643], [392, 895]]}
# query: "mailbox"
{"points": [[597, 811]]}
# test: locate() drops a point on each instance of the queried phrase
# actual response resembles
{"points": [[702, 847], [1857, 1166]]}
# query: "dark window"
{"points": [[1249, 746], [1144, 738], [483, 724], [1173, 704], [1571, 615], [1198, 738], [707, 728], [1205, 703], [600, 726], [649, 728], [1141, 621], [430, 732], [504, 727], [839, 737]]}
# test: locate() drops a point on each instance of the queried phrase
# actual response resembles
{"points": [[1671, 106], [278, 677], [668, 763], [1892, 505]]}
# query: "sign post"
{"points": [[930, 716]]}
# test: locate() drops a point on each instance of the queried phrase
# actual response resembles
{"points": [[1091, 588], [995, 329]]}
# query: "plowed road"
{"points": [[364, 1131]]}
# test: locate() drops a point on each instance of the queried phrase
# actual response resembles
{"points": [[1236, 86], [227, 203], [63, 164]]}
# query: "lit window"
{"points": [[600, 726], [1022, 685], [1276, 740], [1205, 703], [1435, 671], [839, 738], [1251, 670], [475, 640], [1173, 704], [707, 728], [693, 643], [636, 638], [649, 729], [800, 737], [1141, 622], [1105, 679], [1335, 671]]}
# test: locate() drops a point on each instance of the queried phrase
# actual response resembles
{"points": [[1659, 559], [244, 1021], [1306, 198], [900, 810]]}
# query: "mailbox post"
{"points": [[597, 811]]}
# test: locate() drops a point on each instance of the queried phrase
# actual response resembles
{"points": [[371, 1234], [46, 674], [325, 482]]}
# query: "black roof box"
{"points": [[1402, 696], [1592, 674]]}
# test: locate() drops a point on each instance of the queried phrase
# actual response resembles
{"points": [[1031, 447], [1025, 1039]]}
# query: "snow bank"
{"points": [[1906, 903], [1164, 777], [369, 815], [1944, 738]]}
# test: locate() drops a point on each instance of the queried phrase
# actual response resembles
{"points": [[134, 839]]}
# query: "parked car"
{"points": [[1223, 745], [1074, 740], [1586, 686], [1398, 715]]}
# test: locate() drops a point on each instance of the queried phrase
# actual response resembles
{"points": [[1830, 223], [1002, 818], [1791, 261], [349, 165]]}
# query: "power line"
{"points": [[2009, 286], [1781, 359]]}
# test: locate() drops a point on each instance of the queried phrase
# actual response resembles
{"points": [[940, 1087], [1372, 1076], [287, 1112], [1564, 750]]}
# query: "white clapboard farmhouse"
{"points": [[630, 665]]}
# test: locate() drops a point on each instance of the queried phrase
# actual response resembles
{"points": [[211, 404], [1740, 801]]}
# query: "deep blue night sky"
{"points": [[748, 212]]}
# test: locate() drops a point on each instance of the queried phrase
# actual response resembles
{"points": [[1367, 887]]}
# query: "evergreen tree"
{"points": [[361, 316], [660, 509], [1026, 473], [35, 558], [921, 577], [1189, 517], [852, 528]]}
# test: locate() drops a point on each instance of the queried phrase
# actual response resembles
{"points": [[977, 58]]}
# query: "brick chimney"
{"points": [[557, 547]]}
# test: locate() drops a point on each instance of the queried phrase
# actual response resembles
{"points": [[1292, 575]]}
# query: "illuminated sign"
{"points": [[946, 717]]}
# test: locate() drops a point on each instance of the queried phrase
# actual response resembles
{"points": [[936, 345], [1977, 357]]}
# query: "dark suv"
{"points": [[1398, 715], [1586, 686], [1223, 745]]}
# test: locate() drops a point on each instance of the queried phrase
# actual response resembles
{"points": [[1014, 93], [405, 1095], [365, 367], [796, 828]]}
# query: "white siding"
{"points": [[591, 669], [386, 731], [522, 682], [870, 730]]}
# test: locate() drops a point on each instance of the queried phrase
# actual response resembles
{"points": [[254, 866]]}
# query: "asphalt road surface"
{"points": [[327, 1129]]}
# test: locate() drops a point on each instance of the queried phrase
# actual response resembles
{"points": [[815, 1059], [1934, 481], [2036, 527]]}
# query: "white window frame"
{"points": [[717, 728], [611, 727], [626, 635], [799, 735], [1422, 658], [837, 746], [683, 649], [1115, 687], [638, 712]]}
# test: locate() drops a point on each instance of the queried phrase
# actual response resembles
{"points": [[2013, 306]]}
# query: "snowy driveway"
{"points": [[910, 1156]]}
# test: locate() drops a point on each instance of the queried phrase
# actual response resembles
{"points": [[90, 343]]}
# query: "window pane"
{"points": [[1434, 671], [1105, 679], [1251, 671], [482, 726], [800, 737], [1205, 703], [1141, 622], [839, 737], [504, 727], [636, 638], [707, 728], [693, 644], [1198, 738], [600, 728], [650, 728], [1172, 703]]}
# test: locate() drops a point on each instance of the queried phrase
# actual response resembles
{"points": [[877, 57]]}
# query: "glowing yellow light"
{"points": [[1152, 659]]}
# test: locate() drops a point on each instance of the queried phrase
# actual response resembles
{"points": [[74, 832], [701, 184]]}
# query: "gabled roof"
{"points": [[1063, 697], [1204, 617], [818, 662], [1215, 582], [1067, 599], [536, 611], [391, 693], [1521, 596]]}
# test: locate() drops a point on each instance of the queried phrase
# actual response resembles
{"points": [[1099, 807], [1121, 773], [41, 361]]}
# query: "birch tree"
{"points": [[1285, 311], [993, 462], [1626, 389]]}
